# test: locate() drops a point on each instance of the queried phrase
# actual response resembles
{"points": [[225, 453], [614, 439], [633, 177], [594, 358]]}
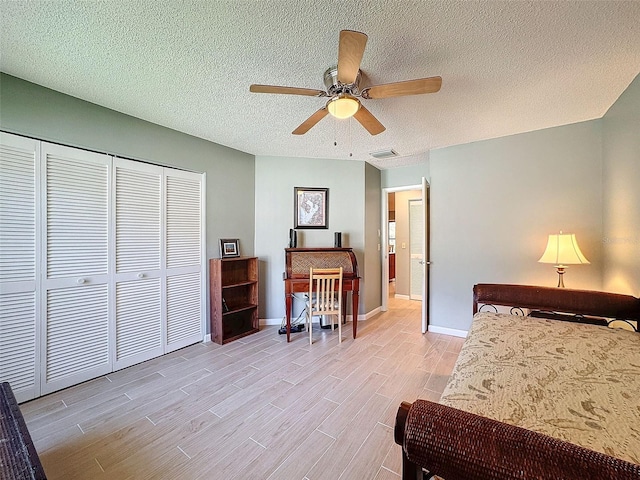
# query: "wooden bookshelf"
{"points": [[233, 284]]}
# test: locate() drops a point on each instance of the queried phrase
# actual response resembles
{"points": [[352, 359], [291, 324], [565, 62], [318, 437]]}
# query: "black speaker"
{"points": [[337, 242], [293, 238]]}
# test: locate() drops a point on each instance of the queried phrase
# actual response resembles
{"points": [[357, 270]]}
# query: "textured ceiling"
{"points": [[507, 67]]}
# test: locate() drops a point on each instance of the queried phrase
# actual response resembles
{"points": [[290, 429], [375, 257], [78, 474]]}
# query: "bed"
{"points": [[544, 388]]}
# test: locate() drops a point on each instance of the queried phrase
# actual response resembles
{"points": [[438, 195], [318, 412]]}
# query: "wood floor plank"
{"points": [[385, 474], [349, 408], [300, 461], [376, 446], [48, 424], [116, 418], [228, 433], [398, 376], [300, 394], [441, 372], [305, 406], [350, 440], [410, 391], [235, 463], [283, 442]]}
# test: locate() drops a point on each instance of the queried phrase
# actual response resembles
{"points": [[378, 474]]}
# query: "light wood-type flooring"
{"points": [[256, 408]]}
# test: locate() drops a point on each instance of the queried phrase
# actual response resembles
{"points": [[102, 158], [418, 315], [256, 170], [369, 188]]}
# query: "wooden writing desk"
{"points": [[298, 261]]}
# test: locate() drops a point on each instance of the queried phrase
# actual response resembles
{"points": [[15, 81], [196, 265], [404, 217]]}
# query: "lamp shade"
{"points": [[563, 249], [343, 106]]}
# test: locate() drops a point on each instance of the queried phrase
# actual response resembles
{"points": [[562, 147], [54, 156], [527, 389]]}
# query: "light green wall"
{"points": [[373, 254], [406, 176], [493, 204], [31, 110], [276, 178], [621, 180]]}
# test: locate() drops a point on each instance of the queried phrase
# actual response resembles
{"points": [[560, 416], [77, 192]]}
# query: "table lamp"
{"points": [[562, 250]]}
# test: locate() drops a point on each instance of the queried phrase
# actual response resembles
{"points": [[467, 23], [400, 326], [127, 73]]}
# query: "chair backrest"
{"points": [[326, 283]]}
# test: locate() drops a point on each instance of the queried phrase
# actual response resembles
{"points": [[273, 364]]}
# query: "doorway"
{"points": [[405, 246]]}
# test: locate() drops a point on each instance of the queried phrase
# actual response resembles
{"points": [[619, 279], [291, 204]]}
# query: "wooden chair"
{"points": [[325, 297]]}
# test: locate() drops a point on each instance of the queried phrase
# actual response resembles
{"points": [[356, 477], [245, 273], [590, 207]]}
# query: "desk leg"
{"points": [[288, 304], [344, 307], [355, 297]]}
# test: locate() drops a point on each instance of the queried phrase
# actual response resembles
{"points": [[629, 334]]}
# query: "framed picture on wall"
{"points": [[229, 247], [311, 207]]}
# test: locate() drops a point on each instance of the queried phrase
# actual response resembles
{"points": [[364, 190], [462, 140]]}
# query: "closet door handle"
{"points": [[140, 275], [80, 281]]}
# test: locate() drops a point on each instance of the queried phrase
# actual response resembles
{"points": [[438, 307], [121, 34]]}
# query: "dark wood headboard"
{"points": [[578, 302]]}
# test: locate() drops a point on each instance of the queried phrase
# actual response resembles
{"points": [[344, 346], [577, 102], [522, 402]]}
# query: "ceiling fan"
{"points": [[343, 88]]}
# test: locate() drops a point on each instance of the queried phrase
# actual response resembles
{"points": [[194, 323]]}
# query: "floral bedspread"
{"points": [[576, 382]]}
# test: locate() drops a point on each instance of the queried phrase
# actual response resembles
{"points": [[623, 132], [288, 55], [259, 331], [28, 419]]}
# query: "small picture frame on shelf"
{"points": [[229, 247]]}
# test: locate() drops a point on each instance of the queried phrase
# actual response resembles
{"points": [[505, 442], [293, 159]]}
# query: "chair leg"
{"points": [[339, 327], [310, 330]]}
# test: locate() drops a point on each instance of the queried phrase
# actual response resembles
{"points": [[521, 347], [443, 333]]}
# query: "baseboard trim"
{"points": [[370, 314], [402, 297], [448, 331], [271, 321]]}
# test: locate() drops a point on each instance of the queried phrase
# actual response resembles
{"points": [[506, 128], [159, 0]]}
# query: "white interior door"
{"points": [[76, 266], [139, 293], [426, 259], [19, 220]]}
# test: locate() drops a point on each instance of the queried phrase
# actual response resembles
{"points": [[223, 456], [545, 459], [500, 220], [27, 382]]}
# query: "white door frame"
{"points": [[384, 250]]}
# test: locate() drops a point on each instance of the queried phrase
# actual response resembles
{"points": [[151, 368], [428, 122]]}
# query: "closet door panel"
{"points": [[183, 310], [19, 217], [184, 258], [138, 262], [76, 270], [77, 346], [77, 212], [18, 343], [138, 321], [138, 216]]}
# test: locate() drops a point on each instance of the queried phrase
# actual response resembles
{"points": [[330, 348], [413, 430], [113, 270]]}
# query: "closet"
{"points": [[101, 263]]}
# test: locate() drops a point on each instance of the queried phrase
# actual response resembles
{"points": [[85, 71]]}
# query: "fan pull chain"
{"points": [[335, 134], [350, 142]]}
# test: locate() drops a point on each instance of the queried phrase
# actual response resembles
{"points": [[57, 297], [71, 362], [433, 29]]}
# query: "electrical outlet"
{"points": [[404, 245]]}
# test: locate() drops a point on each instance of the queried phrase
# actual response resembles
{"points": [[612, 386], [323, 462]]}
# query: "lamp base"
{"points": [[560, 276]]}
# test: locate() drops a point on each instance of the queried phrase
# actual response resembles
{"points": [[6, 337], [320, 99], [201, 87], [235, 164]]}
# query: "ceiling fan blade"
{"points": [[311, 121], [350, 54], [399, 89], [368, 121], [287, 90]]}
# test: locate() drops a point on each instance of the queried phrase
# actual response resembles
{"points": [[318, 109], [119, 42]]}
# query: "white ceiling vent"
{"points": [[384, 153]]}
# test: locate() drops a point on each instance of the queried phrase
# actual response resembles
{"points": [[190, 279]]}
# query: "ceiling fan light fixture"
{"points": [[343, 106]]}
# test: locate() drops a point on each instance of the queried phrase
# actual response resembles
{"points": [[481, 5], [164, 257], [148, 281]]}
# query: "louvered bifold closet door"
{"points": [[18, 265], [184, 258], [76, 268], [139, 286]]}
